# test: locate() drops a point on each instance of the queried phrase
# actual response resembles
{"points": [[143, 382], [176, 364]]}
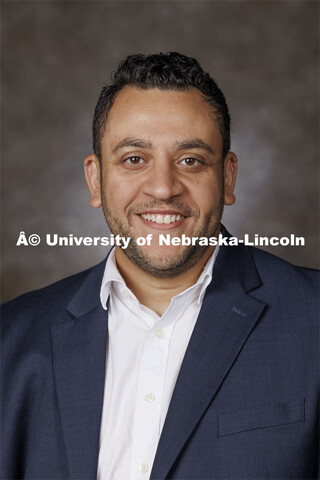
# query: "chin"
{"points": [[168, 262]]}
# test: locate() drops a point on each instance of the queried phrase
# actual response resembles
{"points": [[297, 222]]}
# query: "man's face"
{"points": [[162, 173]]}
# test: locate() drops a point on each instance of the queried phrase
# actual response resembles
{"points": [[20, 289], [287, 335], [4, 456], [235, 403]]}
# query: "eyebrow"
{"points": [[184, 145], [132, 142], [196, 143]]}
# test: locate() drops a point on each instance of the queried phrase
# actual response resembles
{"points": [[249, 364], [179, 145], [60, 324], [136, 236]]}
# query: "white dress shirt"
{"points": [[144, 356]]}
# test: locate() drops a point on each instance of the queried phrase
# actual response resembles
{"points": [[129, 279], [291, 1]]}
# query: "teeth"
{"points": [[167, 219]]}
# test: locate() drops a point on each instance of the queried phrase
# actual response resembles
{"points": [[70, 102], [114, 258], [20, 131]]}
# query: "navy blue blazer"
{"points": [[245, 404]]}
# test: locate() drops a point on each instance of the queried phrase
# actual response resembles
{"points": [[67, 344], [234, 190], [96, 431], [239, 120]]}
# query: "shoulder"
{"points": [[59, 291], [44, 306], [276, 270], [265, 269], [288, 290]]}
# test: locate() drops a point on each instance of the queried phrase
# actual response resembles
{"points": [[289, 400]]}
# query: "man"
{"points": [[166, 360]]}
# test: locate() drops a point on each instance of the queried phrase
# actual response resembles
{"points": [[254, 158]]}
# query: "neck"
{"points": [[154, 292]]}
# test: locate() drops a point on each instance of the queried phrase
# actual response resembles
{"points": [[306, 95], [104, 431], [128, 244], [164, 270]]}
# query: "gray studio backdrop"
{"points": [[57, 55]]}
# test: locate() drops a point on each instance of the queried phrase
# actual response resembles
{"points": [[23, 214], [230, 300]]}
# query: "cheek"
{"points": [[111, 191], [207, 195], [119, 192]]}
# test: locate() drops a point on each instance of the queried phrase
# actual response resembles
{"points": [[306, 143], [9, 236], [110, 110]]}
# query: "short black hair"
{"points": [[166, 71]]}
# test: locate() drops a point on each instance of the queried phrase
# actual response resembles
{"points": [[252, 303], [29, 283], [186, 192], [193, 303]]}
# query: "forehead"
{"points": [[161, 115]]}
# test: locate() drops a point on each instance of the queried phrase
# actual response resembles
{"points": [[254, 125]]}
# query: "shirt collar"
{"points": [[112, 274]]}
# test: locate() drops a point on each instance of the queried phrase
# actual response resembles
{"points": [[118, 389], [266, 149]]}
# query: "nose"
{"points": [[163, 181]]}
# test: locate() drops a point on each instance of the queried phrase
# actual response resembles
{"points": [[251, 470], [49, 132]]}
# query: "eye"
{"points": [[133, 161], [190, 161]]}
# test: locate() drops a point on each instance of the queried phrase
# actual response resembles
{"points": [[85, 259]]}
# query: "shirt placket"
{"points": [[151, 380]]}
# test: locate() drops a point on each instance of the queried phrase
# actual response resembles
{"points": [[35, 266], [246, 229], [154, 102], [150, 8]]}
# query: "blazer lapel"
{"points": [[79, 353], [227, 317]]}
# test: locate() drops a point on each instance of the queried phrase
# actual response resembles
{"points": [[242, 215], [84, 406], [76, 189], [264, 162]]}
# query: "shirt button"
{"points": [[150, 398], [159, 333], [126, 294], [143, 468]]}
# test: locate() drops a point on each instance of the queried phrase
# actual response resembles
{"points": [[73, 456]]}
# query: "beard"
{"points": [[165, 265]]}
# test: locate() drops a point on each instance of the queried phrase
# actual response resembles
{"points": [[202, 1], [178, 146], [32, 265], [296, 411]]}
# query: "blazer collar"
{"points": [[236, 266], [87, 296]]}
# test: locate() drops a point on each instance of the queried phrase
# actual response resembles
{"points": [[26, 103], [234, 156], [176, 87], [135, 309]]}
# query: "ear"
{"points": [[230, 174], [92, 174]]}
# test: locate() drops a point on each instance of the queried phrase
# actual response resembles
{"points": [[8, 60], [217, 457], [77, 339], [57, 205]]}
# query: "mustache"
{"points": [[184, 209]]}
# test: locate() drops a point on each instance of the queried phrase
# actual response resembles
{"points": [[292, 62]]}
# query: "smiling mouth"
{"points": [[162, 219]]}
